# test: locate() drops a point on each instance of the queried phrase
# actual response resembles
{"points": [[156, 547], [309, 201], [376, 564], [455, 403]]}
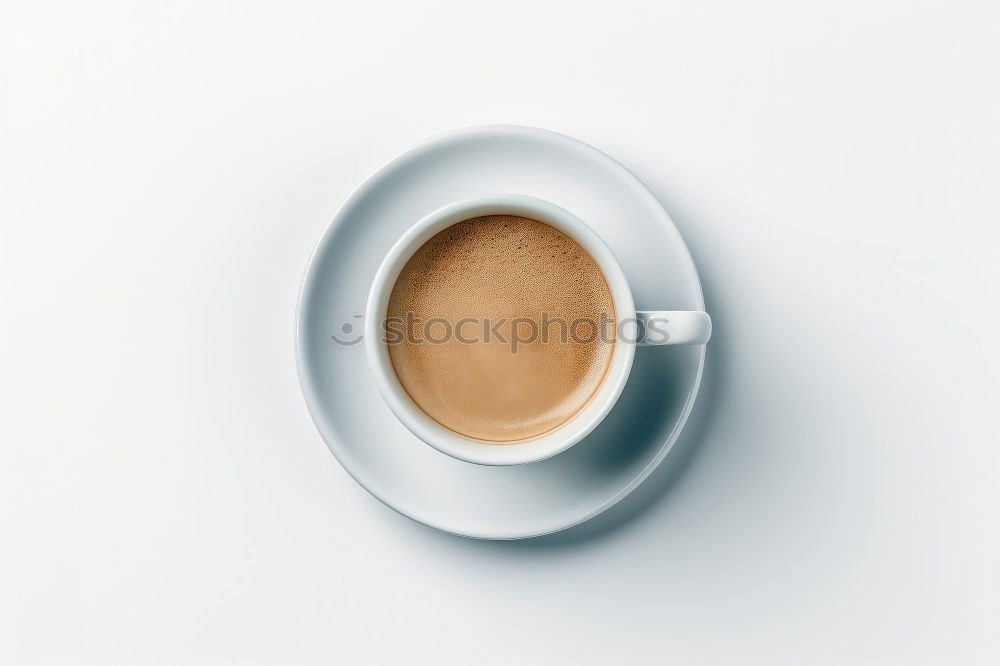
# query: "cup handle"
{"points": [[673, 327]]}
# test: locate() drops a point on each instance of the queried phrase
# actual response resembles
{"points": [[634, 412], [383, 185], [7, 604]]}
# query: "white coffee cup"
{"points": [[645, 328]]}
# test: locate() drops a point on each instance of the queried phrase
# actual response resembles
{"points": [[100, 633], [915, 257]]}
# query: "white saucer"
{"points": [[410, 476]]}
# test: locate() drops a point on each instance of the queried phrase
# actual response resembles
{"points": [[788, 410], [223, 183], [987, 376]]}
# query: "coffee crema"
{"points": [[460, 314]]}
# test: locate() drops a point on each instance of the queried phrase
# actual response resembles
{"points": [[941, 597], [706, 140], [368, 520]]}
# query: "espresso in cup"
{"points": [[501, 328]]}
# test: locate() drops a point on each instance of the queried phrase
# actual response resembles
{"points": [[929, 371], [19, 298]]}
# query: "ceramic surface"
{"points": [[421, 482]]}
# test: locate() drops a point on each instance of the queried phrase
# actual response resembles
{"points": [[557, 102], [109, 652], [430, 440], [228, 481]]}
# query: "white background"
{"points": [[168, 167]]}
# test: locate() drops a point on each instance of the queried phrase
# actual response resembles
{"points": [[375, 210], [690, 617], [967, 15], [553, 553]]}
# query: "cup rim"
{"points": [[439, 436]]}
